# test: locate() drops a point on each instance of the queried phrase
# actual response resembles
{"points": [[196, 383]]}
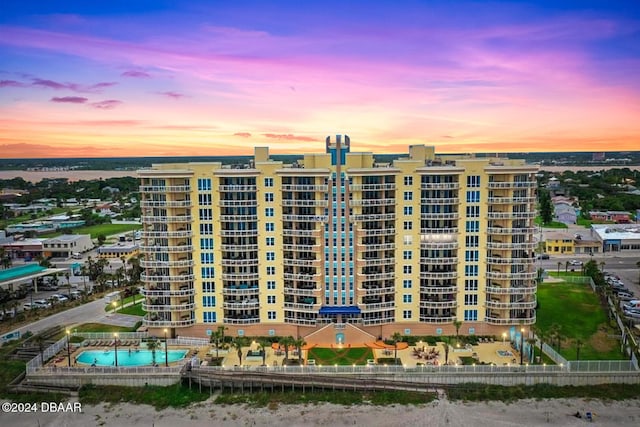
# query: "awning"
{"points": [[340, 309]]}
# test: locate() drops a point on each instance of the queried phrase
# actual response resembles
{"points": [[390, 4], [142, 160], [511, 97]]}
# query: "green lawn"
{"points": [[577, 310], [552, 224], [105, 229], [100, 327], [134, 310], [127, 300], [345, 356]]}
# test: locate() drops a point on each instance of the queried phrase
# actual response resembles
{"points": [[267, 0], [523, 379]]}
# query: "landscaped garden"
{"points": [[340, 356], [571, 314]]}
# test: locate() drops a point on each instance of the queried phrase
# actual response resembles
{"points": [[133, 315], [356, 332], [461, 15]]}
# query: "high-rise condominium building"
{"points": [[267, 248]]}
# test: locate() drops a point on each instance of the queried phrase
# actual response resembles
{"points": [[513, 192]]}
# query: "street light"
{"points": [[115, 335], [166, 352], [68, 347], [521, 345], [504, 338], [115, 305]]}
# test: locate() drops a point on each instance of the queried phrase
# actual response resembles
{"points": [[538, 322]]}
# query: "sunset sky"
{"points": [[183, 78]]}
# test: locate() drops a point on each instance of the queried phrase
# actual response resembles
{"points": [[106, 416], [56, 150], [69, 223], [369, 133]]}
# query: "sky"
{"points": [[188, 78]]}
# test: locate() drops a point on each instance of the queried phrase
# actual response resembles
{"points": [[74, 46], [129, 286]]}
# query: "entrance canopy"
{"points": [[339, 309]]}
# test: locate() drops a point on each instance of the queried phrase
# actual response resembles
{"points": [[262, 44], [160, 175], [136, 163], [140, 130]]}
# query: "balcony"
{"points": [[511, 305], [238, 188], [305, 218], [520, 245], [500, 261], [439, 289], [438, 304], [375, 261], [149, 278], [301, 248], [448, 230], [151, 234], [437, 319], [238, 218], [368, 308], [166, 219], [304, 203], [440, 185], [511, 215], [438, 274], [429, 216], [376, 276], [165, 203], [238, 248], [529, 290], [495, 320], [165, 189], [238, 203], [373, 202], [365, 247], [378, 321], [438, 245], [372, 187], [241, 276], [377, 231], [300, 233], [151, 292], [167, 323], [301, 292], [510, 184], [511, 200], [301, 262], [230, 262], [440, 201], [164, 308], [240, 290], [301, 187], [239, 233], [165, 264], [523, 275], [439, 261], [241, 321], [374, 217], [301, 277], [296, 321], [166, 249], [250, 303], [372, 291], [511, 231], [307, 308]]}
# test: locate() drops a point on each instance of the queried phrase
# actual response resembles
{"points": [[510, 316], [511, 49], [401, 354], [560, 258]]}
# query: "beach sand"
{"points": [[557, 412]]}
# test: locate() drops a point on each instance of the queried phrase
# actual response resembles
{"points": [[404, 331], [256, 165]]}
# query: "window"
{"points": [[471, 299], [471, 315], [205, 214], [271, 271], [473, 196], [408, 180], [268, 211], [208, 287], [271, 284], [268, 182], [271, 256], [206, 243], [471, 285], [271, 299], [471, 256], [271, 315], [406, 269], [207, 272], [206, 229], [268, 197], [406, 314], [473, 181], [407, 284], [407, 298], [209, 317], [271, 241], [473, 211], [204, 184], [204, 199], [270, 226], [472, 241], [408, 210], [408, 225], [408, 195], [471, 270], [407, 254], [209, 301], [206, 258], [473, 226]]}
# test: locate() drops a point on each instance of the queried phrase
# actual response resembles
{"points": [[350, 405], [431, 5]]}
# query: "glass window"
{"points": [[268, 197], [271, 241], [408, 180], [268, 182]]}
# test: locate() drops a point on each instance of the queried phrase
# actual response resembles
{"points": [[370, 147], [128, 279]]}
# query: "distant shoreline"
{"points": [[87, 175]]}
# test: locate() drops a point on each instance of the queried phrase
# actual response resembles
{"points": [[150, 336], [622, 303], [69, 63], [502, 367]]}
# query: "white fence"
{"points": [[36, 363], [110, 335], [189, 341]]}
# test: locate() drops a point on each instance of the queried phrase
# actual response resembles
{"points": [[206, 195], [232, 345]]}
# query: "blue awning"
{"points": [[340, 309]]}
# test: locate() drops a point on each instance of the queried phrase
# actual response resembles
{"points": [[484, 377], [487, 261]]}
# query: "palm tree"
{"points": [[40, 342], [262, 347], [566, 267], [298, 343], [396, 337], [446, 350], [217, 337], [457, 324], [578, 345], [638, 265], [286, 342], [559, 264], [67, 276], [238, 343], [153, 344], [532, 344]]}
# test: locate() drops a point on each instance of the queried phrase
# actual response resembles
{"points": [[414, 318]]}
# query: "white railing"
{"points": [[188, 341]]}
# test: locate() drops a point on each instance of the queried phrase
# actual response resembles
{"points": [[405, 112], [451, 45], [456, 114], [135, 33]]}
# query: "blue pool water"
{"points": [[128, 358]]}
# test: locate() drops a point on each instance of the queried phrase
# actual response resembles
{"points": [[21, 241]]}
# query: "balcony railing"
{"points": [[438, 275], [440, 185], [301, 248], [149, 278], [303, 203], [438, 304], [437, 215], [511, 215], [511, 291], [301, 292], [229, 262], [232, 203], [372, 187], [377, 290], [150, 292], [367, 308], [240, 276], [520, 245], [373, 202], [377, 231], [307, 308], [301, 187], [438, 245], [301, 262], [238, 248], [296, 321], [374, 217], [510, 305], [523, 275], [437, 319], [510, 184], [151, 234], [301, 277], [378, 321], [439, 261], [365, 247], [237, 188], [164, 188], [440, 201], [511, 200], [376, 276], [166, 219], [439, 289], [448, 230], [165, 203], [171, 248], [167, 307], [165, 264], [238, 218], [168, 323], [376, 261], [305, 218], [228, 291], [511, 231], [494, 320], [243, 321], [300, 233], [239, 233], [241, 305]]}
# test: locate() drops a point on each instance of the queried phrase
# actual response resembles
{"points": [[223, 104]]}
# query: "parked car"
{"points": [[40, 303], [543, 256], [625, 296], [27, 306], [635, 314], [632, 305], [575, 262], [75, 294]]}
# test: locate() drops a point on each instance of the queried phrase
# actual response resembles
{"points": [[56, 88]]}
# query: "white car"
{"points": [[575, 262], [58, 298], [27, 306], [40, 303]]}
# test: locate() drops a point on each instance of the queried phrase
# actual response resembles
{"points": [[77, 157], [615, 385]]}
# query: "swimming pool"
{"points": [[128, 358]]}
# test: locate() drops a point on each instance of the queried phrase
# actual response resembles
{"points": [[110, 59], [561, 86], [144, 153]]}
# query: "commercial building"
{"points": [[617, 237], [118, 250], [337, 240], [65, 245]]}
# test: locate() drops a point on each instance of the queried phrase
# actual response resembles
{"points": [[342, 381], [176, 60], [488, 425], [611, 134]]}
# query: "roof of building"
{"points": [[67, 238], [617, 231], [559, 235]]}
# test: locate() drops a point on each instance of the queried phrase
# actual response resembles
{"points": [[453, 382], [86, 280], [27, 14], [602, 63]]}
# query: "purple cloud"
{"points": [[50, 84], [242, 134], [69, 99], [136, 74], [108, 104], [174, 95], [289, 137], [11, 83], [101, 85]]}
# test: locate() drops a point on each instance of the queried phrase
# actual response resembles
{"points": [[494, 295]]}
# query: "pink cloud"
{"points": [[242, 134], [108, 104], [11, 83], [174, 95], [69, 99], [136, 74], [76, 87], [290, 137]]}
